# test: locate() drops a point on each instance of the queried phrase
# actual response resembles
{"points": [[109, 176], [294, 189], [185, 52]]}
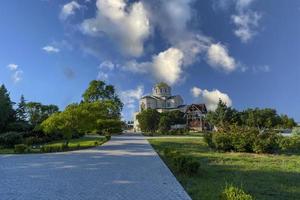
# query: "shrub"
{"points": [[52, 148], [10, 139], [182, 164], [266, 142], [290, 144], [222, 141], [234, 193], [107, 137], [296, 131], [20, 148]]}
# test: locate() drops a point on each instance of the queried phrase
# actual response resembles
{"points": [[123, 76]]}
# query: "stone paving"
{"points": [[125, 168]]}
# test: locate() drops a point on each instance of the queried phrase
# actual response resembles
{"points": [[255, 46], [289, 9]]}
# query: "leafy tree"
{"points": [[6, 108], [38, 112], [148, 120], [165, 123], [21, 110], [287, 122], [99, 91]]}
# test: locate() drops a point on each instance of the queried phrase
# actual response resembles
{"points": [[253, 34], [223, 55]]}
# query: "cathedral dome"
{"points": [[162, 90]]}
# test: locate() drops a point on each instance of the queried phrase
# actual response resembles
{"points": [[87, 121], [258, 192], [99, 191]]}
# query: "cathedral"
{"points": [[163, 101]]}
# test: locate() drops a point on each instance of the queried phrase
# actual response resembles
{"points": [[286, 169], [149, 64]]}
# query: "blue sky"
{"points": [[245, 52]]}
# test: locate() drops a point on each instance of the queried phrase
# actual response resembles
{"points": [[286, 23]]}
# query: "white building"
{"points": [[161, 99]]}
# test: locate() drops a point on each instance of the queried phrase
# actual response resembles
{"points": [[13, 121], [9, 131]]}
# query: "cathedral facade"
{"points": [[162, 100]]}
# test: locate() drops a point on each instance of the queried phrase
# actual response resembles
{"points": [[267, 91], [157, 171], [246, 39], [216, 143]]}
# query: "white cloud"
{"points": [[17, 76], [108, 65], [218, 57], [128, 24], [196, 92], [69, 9], [246, 20], [211, 98], [12, 66], [166, 66], [245, 25], [131, 97], [50, 49]]}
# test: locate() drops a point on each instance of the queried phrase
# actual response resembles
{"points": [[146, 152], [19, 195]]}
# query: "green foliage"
{"points": [[244, 140], [99, 91], [148, 120], [21, 110], [21, 148], [182, 164], [223, 116], [222, 141], [10, 139], [38, 112], [6, 108], [296, 131], [164, 123], [267, 118], [87, 117], [266, 142], [234, 193], [290, 144]]}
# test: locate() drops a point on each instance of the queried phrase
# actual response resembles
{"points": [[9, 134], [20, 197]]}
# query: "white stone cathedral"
{"points": [[161, 99]]}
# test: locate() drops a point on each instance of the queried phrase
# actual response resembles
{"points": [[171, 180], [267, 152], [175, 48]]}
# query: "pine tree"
{"points": [[6, 108], [21, 110]]}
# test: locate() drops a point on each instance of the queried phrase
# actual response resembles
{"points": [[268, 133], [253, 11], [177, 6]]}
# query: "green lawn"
{"points": [[84, 142], [263, 176]]}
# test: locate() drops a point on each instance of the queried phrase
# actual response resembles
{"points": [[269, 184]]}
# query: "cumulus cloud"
{"points": [[51, 49], [196, 92], [69, 9], [166, 66], [211, 98], [17, 72], [131, 97], [128, 24], [218, 57]]}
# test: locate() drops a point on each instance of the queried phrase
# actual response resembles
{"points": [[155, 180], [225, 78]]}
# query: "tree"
{"points": [[164, 123], [148, 120], [99, 91], [38, 112], [222, 117], [6, 108], [21, 110]]}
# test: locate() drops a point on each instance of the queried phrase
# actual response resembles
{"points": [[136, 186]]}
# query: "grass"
{"points": [[263, 176], [83, 142]]}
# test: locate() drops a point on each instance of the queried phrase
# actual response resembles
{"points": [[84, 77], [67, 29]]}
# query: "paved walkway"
{"points": [[125, 168]]}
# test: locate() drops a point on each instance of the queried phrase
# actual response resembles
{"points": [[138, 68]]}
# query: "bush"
{"points": [[290, 144], [20, 148], [10, 139], [243, 140], [234, 193], [182, 164], [222, 141], [52, 148], [266, 142], [107, 137], [296, 131]]}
